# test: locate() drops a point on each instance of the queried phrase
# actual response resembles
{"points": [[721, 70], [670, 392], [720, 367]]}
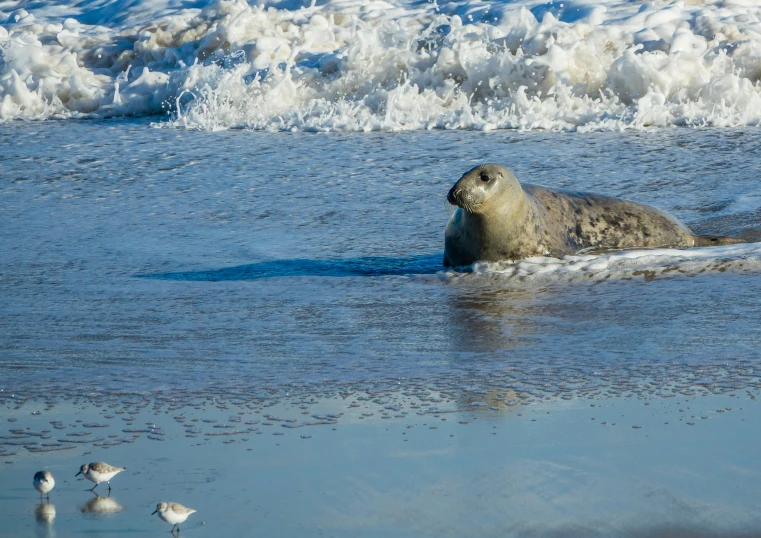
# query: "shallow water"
{"points": [[257, 323], [596, 467], [292, 258], [289, 286]]}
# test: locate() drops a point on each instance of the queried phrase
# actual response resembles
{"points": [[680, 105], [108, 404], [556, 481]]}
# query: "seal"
{"points": [[499, 219]]}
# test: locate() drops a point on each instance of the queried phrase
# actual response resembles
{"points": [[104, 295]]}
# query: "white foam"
{"points": [[363, 65], [627, 264]]}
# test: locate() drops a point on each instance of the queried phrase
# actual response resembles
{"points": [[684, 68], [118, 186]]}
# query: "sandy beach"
{"points": [[381, 464]]}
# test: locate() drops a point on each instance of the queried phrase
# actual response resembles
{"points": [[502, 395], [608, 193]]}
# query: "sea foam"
{"points": [[384, 65], [650, 263]]}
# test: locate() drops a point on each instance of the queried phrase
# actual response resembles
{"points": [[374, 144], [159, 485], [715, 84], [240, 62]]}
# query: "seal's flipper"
{"points": [[716, 240]]}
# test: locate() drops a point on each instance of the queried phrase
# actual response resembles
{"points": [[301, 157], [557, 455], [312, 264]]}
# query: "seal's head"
{"points": [[479, 188]]}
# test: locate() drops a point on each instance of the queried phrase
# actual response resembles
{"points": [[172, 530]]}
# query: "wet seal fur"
{"points": [[500, 219]]}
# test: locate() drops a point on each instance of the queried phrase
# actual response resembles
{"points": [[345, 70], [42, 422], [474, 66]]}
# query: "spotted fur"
{"points": [[500, 219]]}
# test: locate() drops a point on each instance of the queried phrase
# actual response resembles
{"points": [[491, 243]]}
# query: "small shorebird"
{"points": [[44, 482], [173, 513], [98, 472]]}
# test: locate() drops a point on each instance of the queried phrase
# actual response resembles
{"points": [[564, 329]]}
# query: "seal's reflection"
{"points": [[487, 319], [101, 505]]}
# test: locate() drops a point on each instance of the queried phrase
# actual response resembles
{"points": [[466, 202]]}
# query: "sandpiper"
{"points": [[98, 472], [173, 513], [44, 482]]}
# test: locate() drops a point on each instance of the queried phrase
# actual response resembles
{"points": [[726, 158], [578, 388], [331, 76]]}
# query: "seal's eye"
{"points": [[484, 177]]}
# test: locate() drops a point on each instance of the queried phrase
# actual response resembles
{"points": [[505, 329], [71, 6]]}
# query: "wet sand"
{"points": [[393, 464]]}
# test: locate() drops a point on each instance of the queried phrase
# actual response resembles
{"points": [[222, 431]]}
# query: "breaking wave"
{"points": [[384, 65]]}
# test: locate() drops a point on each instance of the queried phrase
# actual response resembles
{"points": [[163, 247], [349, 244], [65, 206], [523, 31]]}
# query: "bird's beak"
{"points": [[79, 473], [155, 511]]}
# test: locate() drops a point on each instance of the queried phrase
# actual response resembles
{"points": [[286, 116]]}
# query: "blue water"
{"points": [[139, 258], [258, 324], [570, 470]]}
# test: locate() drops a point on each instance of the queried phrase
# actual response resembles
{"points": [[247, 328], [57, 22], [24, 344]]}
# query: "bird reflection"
{"points": [[101, 505], [45, 513]]}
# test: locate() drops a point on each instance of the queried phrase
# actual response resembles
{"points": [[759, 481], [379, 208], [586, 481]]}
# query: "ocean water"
{"points": [[221, 267], [145, 258]]}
